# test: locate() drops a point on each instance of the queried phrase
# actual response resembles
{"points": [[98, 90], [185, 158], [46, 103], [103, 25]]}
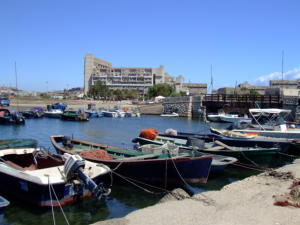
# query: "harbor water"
{"points": [[124, 198]]}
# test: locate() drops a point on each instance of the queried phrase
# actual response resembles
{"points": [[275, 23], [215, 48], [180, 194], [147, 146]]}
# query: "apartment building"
{"points": [[141, 79]]}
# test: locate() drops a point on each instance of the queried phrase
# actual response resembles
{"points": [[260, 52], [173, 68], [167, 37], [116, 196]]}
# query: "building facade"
{"points": [[140, 79]]}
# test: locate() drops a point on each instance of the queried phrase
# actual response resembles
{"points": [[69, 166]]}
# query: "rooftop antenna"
{"points": [[282, 65]]}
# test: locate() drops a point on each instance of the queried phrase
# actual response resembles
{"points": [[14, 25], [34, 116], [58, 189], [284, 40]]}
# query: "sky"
{"points": [[242, 40]]}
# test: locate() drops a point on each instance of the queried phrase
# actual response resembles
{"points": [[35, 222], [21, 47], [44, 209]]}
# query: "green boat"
{"points": [[18, 143], [74, 115], [155, 167], [247, 155]]}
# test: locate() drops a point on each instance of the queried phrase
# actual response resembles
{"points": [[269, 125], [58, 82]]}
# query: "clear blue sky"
{"points": [[243, 40]]}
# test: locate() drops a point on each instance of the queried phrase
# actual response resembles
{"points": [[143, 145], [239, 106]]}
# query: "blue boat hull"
{"points": [[38, 194], [192, 170]]}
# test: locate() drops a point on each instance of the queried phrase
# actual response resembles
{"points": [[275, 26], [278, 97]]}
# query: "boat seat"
{"points": [[12, 164], [16, 166]]}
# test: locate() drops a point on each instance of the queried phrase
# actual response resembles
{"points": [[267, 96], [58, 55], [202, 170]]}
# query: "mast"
{"points": [[211, 80], [17, 86], [282, 65]]}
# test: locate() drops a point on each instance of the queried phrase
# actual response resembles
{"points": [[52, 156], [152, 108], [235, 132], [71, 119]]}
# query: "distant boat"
{"points": [[110, 114], [53, 113], [36, 112], [173, 114], [154, 167], [29, 173], [74, 115], [11, 117], [228, 118]]}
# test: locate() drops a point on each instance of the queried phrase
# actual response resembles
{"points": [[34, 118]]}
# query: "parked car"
{"points": [[149, 102], [4, 101], [135, 101]]}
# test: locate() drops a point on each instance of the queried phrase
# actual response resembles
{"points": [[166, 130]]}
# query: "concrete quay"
{"points": [[146, 109], [246, 202]]}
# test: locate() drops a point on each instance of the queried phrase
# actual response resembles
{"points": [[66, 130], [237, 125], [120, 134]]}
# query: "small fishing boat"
{"points": [[248, 155], [18, 143], [36, 112], [92, 113], [11, 117], [47, 179], [163, 168], [110, 114], [73, 115], [3, 203], [173, 114], [239, 140], [228, 118], [218, 164], [53, 113]]}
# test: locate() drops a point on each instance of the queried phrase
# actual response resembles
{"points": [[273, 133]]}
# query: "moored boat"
{"points": [[110, 114], [248, 155], [73, 115], [28, 174], [53, 113], [173, 114], [147, 167], [11, 117], [239, 140], [269, 123], [18, 143]]}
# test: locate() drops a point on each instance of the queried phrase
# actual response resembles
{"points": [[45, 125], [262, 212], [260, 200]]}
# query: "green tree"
{"points": [[44, 96], [160, 89], [98, 90], [253, 92]]}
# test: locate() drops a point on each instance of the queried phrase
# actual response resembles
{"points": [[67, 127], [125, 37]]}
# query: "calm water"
{"points": [[113, 131]]}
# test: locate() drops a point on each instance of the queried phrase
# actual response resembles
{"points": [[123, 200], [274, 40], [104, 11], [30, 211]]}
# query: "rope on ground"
{"points": [[284, 154], [250, 167]]}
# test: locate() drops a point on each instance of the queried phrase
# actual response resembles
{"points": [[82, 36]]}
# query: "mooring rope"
{"points": [[131, 180], [59, 205], [251, 167], [50, 193], [292, 156], [207, 199]]}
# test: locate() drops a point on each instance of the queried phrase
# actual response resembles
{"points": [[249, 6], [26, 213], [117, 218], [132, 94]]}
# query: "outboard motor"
{"points": [[73, 169], [67, 142], [18, 118]]}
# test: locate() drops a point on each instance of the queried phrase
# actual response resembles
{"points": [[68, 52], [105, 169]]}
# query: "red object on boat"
{"points": [[149, 133], [97, 154]]}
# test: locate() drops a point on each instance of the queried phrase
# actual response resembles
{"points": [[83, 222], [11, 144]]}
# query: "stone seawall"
{"points": [[194, 106], [180, 105]]}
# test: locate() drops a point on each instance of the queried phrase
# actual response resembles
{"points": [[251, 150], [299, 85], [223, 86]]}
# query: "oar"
{"points": [[224, 145]]}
